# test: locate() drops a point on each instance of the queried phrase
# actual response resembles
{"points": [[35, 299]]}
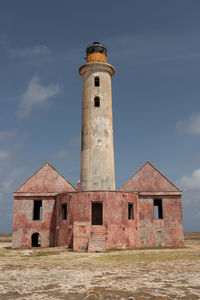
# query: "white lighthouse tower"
{"points": [[97, 151]]}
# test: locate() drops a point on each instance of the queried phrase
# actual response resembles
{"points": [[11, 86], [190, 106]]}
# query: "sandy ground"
{"points": [[56, 273]]}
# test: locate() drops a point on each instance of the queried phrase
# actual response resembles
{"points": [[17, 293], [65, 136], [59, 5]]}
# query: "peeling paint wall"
{"points": [[120, 232], [97, 152], [161, 232], [24, 225]]}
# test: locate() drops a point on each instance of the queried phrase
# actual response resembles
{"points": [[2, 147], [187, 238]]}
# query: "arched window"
{"points": [[96, 81], [35, 240], [97, 102]]}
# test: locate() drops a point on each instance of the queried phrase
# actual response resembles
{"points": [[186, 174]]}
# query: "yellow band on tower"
{"points": [[96, 56]]}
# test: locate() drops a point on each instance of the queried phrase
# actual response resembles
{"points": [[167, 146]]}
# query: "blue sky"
{"points": [[154, 46]]}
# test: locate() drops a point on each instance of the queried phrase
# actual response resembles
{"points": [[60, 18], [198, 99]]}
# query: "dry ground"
{"points": [[56, 273]]}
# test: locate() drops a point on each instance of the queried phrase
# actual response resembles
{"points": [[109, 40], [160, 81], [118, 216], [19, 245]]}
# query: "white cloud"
{"points": [[11, 181], [61, 155], [36, 50], [191, 125], [7, 134], [35, 96], [191, 183], [191, 200], [4, 155], [191, 186]]}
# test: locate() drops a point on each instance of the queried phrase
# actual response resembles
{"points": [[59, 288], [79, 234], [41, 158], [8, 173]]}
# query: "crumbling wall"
{"points": [[120, 232], [167, 231], [24, 225], [81, 235]]}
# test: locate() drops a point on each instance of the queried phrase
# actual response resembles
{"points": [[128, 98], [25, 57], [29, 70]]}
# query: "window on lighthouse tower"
{"points": [[96, 81], [96, 101]]}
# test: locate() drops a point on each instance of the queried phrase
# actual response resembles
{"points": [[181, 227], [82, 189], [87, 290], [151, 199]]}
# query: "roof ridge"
{"points": [[147, 162], [46, 163]]}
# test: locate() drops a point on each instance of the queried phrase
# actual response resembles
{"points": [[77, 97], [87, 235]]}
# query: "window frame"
{"points": [[96, 101], [64, 211], [130, 211], [158, 204], [37, 212], [94, 209], [96, 81]]}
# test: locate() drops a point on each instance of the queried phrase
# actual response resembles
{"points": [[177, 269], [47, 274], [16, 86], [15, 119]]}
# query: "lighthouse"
{"points": [[146, 211], [97, 150]]}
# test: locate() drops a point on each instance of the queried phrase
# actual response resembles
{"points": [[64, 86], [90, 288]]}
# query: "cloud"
{"points": [[61, 155], [10, 183], [191, 125], [191, 183], [36, 50], [7, 134], [4, 156], [191, 203], [35, 96]]}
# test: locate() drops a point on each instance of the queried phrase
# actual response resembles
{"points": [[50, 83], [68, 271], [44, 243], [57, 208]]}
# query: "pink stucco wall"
{"points": [[161, 232], [144, 230], [24, 225], [120, 232], [141, 190]]}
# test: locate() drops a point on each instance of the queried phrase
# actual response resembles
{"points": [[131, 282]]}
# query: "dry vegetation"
{"points": [[56, 273]]}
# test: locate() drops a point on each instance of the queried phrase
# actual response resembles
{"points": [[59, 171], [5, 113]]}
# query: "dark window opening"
{"points": [[37, 210], [35, 240], [64, 211], [158, 210], [97, 213], [96, 81], [130, 211], [96, 102]]}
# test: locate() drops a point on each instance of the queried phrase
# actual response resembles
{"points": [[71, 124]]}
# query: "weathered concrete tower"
{"points": [[97, 152]]}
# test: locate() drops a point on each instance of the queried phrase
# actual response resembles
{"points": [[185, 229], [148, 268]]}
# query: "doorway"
{"points": [[97, 213], [35, 240]]}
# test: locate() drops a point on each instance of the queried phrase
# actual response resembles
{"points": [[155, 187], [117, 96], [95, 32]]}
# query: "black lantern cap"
{"points": [[96, 47]]}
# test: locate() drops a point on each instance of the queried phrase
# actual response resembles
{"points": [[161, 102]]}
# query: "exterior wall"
{"points": [[150, 184], [81, 235], [24, 225], [120, 232], [97, 152], [161, 232]]}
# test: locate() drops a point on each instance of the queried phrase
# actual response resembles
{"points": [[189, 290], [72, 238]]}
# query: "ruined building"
{"points": [[49, 211]]}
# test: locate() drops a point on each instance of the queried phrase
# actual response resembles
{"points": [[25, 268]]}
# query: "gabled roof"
{"points": [[148, 179], [46, 180]]}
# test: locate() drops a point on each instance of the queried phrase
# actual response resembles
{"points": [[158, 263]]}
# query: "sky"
{"points": [[154, 46]]}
